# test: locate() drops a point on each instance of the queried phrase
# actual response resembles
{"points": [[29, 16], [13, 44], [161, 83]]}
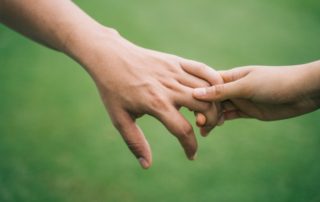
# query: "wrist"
{"points": [[99, 51], [313, 70], [89, 45], [79, 44], [308, 82]]}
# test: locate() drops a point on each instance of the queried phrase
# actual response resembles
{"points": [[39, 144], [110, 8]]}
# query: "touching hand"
{"points": [[134, 81], [265, 93]]}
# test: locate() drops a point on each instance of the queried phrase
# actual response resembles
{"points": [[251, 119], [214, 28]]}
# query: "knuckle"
{"points": [[202, 68], [171, 64], [185, 131], [157, 101], [216, 78], [175, 67], [135, 147], [205, 84], [218, 91]]}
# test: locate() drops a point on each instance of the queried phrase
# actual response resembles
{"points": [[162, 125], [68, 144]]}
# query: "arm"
{"points": [[132, 81], [266, 93]]}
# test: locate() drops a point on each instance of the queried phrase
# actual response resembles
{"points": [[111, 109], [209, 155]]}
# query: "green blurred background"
{"points": [[57, 143]]}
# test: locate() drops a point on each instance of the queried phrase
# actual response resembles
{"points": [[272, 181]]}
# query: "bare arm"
{"points": [[52, 23]]}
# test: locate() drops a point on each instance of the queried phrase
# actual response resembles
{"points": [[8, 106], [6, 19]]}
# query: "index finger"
{"points": [[202, 71]]}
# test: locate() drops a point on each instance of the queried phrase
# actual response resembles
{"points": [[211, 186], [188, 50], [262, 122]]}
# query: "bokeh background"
{"points": [[57, 142]]}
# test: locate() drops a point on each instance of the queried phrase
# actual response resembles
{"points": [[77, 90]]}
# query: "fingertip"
{"points": [[199, 92], [191, 153], [193, 157], [144, 163], [191, 146], [200, 120]]}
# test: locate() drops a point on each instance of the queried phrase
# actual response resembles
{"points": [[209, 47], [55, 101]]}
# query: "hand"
{"points": [[134, 81], [266, 93]]}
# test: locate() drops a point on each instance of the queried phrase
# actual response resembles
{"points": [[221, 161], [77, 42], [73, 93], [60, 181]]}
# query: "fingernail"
{"points": [[143, 162], [200, 91], [192, 158]]}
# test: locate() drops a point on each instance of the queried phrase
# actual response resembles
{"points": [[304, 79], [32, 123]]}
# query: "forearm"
{"points": [[58, 24]]}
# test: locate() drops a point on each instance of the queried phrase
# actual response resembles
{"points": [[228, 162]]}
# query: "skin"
{"points": [[265, 93], [132, 81]]}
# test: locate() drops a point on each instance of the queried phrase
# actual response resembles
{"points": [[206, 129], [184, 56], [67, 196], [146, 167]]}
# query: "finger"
{"points": [[221, 92], [208, 127], [210, 119], [192, 81], [214, 115], [200, 119], [202, 71], [209, 110], [134, 138], [185, 98], [235, 73], [180, 128]]}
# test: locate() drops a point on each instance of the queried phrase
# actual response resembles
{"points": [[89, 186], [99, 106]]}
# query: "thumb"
{"points": [[220, 92], [134, 138]]}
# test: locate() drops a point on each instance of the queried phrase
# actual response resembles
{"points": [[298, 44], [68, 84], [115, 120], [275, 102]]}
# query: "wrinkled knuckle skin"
{"points": [[135, 147], [169, 64], [157, 101], [217, 91], [206, 84], [184, 131], [202, 68]]}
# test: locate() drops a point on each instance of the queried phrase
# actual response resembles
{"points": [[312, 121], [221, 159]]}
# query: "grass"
{"points": [[58, 144]]}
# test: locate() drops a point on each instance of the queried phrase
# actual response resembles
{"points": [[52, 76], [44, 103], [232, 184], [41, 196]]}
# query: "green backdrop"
{"points": [[58, 144]]}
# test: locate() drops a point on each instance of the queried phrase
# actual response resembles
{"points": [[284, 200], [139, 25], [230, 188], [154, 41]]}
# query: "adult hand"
{"points": [[132, 81], [266, 93]]}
